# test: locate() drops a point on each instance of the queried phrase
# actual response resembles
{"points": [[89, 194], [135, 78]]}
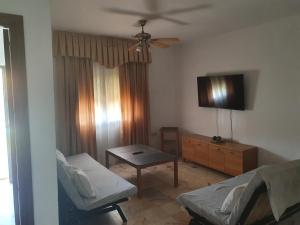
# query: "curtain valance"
{"points": [[107, 51]]}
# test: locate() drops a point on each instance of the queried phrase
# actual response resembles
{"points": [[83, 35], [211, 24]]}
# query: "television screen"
{"points": [[226, 91]]}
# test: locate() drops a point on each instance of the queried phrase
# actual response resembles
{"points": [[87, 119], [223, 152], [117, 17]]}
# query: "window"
{"points": [[107, 108]]}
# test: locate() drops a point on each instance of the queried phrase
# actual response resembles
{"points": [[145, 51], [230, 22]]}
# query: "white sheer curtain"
{"points": [[107, 108]]}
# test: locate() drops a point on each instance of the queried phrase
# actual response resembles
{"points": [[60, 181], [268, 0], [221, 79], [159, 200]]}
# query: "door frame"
{"points": [[16, 86]]}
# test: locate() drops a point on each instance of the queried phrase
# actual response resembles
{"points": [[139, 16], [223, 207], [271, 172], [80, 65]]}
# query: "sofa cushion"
{"points": [[207, 201], [81, 182], [232, 198], [60, 158]]}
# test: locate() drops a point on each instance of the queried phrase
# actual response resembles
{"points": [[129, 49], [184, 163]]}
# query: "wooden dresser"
{"points": [[230, 158]]}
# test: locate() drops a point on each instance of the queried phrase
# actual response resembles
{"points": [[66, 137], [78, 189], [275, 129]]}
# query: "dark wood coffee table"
{"points": [[140, 157]]}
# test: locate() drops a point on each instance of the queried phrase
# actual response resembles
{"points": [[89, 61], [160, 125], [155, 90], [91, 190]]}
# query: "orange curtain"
{"points": [[134, 103], [75, 119]]}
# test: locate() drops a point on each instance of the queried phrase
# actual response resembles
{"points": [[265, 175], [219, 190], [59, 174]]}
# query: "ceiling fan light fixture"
{"points": [[139, 48], [145, 41]]}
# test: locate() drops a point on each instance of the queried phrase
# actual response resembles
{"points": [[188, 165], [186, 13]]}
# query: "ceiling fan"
{"points": [[154, 13], [143, 39]]}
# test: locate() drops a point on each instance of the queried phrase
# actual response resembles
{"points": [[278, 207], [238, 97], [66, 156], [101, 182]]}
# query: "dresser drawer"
{"points": [[186, 141], [216, 157], [201, 152], [229, 157], [188, 152], [233, 162]]}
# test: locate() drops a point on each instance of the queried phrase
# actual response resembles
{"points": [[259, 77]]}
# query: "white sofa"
{"points": [[110, 189], [272, 196]]}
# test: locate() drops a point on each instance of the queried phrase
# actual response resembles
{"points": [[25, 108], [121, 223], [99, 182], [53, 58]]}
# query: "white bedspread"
{"points": [[283, 184]]}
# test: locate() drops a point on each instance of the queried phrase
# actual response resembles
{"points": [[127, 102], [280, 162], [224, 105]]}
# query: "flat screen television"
{"points": [[221, 91]]}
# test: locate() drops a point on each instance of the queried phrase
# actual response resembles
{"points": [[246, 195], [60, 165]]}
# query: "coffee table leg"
{"points": [[139, 182], [106, 160], [175, 173]]}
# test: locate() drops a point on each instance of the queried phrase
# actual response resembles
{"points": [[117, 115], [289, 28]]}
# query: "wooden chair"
{"points": [[169, 140]]}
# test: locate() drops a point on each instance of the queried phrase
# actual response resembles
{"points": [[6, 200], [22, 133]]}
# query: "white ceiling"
{"points": [[222, 16]]}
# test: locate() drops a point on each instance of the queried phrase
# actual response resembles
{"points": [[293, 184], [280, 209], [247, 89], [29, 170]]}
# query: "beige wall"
{"points": [[269, 54], [162, 82], [37, 27]]}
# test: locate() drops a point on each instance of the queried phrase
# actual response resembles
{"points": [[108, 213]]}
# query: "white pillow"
{"points": [[81, 182], [232, 198], [60, 158]]}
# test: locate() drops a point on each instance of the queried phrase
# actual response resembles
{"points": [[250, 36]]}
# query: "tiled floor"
{"points": [[6, 203], [158, 205]]}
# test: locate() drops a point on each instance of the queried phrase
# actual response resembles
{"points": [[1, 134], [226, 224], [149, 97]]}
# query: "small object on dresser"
{"points": [[217, 139]]}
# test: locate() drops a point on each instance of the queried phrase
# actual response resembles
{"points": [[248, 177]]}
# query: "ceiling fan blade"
{"points": [[173, 20], [146, 16], [125, 12], [190, 9], [166, 40], [159, 44], [133, 47]]}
